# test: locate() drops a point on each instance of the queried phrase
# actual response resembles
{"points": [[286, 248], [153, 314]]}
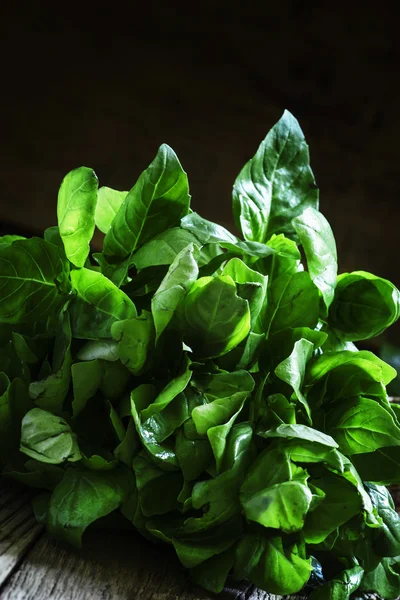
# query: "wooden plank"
{"points": [[111, 566], [18, 528]]}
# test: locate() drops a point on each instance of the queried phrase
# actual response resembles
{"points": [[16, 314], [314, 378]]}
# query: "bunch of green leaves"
{"points": [[205, 386]]}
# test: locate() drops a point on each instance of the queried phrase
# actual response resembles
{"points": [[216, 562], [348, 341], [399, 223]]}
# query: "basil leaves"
{"points": [[205, 386]]}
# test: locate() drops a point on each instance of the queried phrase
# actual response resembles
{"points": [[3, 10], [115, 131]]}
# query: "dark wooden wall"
{"points": [[106, 86]]}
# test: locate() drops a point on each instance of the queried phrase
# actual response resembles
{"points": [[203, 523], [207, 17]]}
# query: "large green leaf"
{"points": [[163, 455], [174, 387], [49, 391], [381, 466], [108, 204], [48, 438], [76, 207], [214, 319], [362, 425], [135, 339], [33, 281], [384, 580], [252, 286], [278, 498], [7, 436], [86, 379], [341, 586], [293, 301], [194, 456], [100, 304], [319, 245], [341, 503], [301, 432], [211, 233], [225, 393], [212, 573], [276, 185], [282, 567], [156, 202], [181, 275], [82, 497], [364, 306], [292, 370], [163, 248]]}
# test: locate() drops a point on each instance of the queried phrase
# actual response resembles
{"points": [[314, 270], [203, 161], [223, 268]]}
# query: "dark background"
{"points": [[104, 87]]}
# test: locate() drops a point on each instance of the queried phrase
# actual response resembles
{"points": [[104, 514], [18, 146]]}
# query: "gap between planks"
{"points": [[18, 528]]}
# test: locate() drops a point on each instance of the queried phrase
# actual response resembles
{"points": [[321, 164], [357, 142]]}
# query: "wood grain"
{"points": [[112, 566], [18, 528]]}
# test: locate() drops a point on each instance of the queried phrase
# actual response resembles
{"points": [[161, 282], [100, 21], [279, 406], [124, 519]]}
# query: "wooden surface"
{"points": [[112, 566]]}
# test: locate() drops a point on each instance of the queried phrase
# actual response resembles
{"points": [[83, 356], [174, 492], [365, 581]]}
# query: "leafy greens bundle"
{"points": [[206, 386]]}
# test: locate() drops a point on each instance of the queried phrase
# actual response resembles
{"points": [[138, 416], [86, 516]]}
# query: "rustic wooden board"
{"points": [[18, 528], [111, 566]]}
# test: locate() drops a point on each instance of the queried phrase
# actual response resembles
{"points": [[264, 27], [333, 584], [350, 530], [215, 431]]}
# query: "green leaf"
{"points": [[86, 379], [48, 438], [387, 538], [341, 502], [293, 301], [52, 235], [23, 349], [319, 246], [7, 435], [364, 306], [225, 393], [181, 275], [282, 568], [220, 495], [156, 202], [164, 423], [194, 549], [301, 432], [126, 450], [365, 360], [281, 344], [212, 573], [214, 319], [384, 580], [211, 233], [100, 304], [276, 185], [278, 499], [98, 463], [341, 586], [108, 204], [7, 240], [76, 207], [362, 425], [169, 392], [158, 489], [194, 456], [163, 248], [114, 381], [115, 271], [381, 466], [252, 287], [36, 474], [103, 349], [50, 392], [163, 455], [33, 281], [82, 497], [135, 339], [292, 370]]}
